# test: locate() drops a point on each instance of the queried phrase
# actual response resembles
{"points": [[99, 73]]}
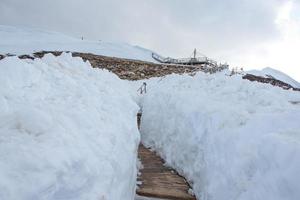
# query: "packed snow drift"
{"points": [[15, 40], [231, 138], [67, 131]]}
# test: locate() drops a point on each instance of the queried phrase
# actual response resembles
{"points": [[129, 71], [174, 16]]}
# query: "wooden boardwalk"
{"points": [[160, 181]]}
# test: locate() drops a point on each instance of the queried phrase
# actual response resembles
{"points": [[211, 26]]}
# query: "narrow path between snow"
{"points": [[158, 180]]}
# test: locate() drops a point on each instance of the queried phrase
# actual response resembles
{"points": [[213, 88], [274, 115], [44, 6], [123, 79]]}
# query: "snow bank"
{"points": [[231, 138], [67, 131], [26, 41]]}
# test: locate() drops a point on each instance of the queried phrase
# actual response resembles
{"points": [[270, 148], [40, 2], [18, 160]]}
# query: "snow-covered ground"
{"points": [[276, 74], [20, 41], [67, 131], [231, 138]]}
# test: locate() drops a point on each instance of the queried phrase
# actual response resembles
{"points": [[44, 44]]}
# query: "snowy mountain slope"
{"points": [[16, 40], [231, 138], [67, 131], [25, 41], [276, 74]]}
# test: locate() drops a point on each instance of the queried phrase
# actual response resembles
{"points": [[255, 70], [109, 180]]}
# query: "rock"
{"points": [[26, 57]]}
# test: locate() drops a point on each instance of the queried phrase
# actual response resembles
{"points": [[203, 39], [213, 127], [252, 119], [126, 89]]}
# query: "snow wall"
{"points": [[67, 131], [231, 138]]}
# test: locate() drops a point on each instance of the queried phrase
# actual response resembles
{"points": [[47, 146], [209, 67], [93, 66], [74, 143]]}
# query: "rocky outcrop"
{"points": [[134, 69], [270, 80]]}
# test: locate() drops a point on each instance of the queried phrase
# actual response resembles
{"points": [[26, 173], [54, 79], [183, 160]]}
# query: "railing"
{"points": [[184, 61], [207, 65]]}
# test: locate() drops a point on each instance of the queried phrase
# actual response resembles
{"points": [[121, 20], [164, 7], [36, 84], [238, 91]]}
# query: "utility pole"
{"points": [[195, 52]]}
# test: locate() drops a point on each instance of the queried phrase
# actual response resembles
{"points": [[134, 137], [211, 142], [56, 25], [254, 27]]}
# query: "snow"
{"points": [[276, 74], [231, 138], [67, 131], [16, 40]]}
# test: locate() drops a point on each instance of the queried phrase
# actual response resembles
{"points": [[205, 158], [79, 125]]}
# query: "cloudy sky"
{"points": [[245, 33]]}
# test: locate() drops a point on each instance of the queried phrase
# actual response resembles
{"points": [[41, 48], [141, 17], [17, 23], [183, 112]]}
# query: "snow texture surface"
{"points": [[20, 41], [231, 138], [67, 131]]}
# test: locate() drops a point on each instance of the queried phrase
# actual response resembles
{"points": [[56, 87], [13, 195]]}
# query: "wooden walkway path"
{"points": [[160, 181]]}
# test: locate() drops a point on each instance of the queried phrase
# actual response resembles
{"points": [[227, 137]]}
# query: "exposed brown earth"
{"points": [[271, 81]]}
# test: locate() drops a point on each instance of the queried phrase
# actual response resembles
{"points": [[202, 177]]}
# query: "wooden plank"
{"points": [[160, 181]]}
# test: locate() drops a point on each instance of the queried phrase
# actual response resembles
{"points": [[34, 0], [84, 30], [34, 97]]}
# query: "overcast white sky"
{"points": [[245, 33]]}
